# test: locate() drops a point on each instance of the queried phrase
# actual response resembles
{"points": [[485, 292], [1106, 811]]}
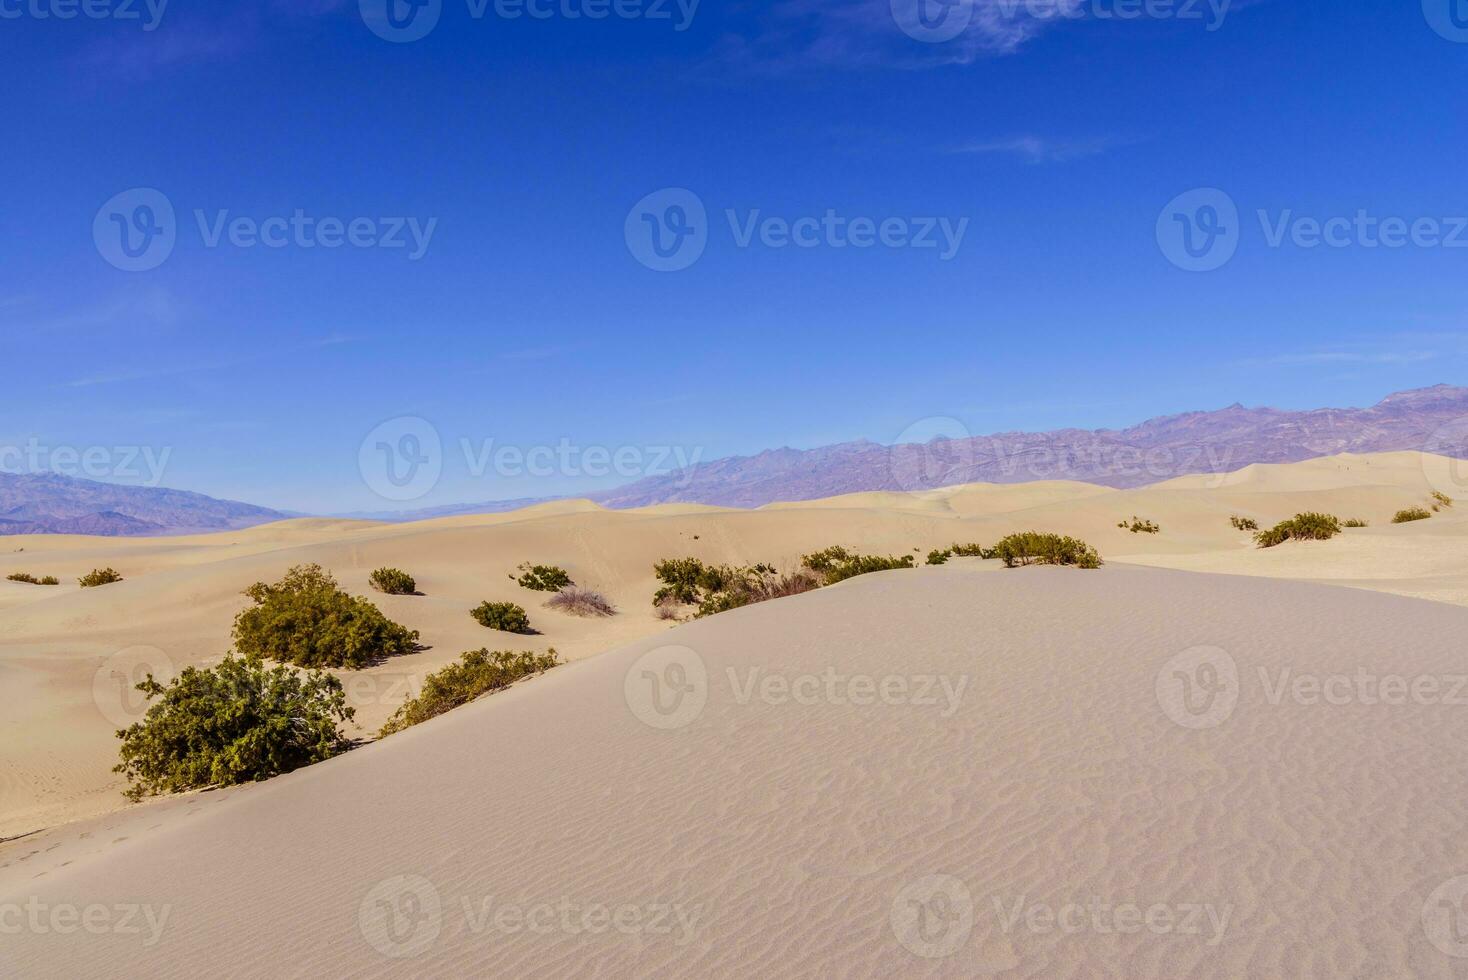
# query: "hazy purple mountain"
{"points": [[1434, 419], [47, 503]]}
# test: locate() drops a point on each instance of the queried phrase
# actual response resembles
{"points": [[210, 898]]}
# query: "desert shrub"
{"points": [[99, 576], [685, 580], [1411, 514], [504, 616], [718, 588], [1139, 526], [666, 609], [1039, 548], [837, 564], [1354, 522], [30, 579], [971, 551], [235, 723], [1309, 526], [304, 619], [543, 578], [581, 602], [1443, 500], [476, 673], [393, 581], [939, 557], [1244, 523]]}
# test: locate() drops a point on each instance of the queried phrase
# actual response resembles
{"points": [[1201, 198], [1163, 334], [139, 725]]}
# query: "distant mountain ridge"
{"points": [[49, 503]]}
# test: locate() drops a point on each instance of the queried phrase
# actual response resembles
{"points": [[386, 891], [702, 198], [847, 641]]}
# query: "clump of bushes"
{"points": [[1139, 526], [304, 619], [1244, 523], [99, 576], [505, 616], [1302, 527], [1037, 548], [939, 557], [1411, 514], [1354, 522], [235, 723], [1443, 500], [543, 578], [475, 674], [971, 551], [718, 588], [836, 564], [30, 579], [393, 581], [581, 602]]}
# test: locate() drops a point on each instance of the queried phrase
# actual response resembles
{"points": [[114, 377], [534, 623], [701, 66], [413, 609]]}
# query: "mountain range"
{"points": [[1431, 419]]}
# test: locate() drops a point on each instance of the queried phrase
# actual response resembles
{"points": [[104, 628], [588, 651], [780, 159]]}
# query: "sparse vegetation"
{"points": [[306, 620], [1244, 523], [235, 723], [837, 564], [971, 551], [1139, 526], [666, 609], [1037, 548], [99, 576], [475, 674], [1411, 514], [505, 616], [939, 557], [1443, 500], [1309, 526], [581, 602], [543, 578], [30, 579], [1354, 522], [393, 581]]}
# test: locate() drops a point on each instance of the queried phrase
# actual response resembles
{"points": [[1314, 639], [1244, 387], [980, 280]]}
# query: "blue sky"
{"points": [[1055, 142]]}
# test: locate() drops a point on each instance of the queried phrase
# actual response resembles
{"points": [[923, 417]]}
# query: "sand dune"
{"points": [[1008, 775], [68, 656]]}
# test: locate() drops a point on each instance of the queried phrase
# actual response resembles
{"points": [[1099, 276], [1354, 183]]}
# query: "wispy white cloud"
{"points": [[1343, 357], [1037, 149]]}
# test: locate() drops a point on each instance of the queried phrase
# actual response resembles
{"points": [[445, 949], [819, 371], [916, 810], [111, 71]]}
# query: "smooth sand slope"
{"points": [[68, 656], [1060, 770]]}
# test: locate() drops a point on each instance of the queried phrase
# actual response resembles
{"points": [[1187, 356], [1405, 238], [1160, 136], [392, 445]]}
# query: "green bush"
{"points": [[476, 673], [1309, 526], [719, 588], [393, 581], [504, 616], [1139, 526], [543, 578], [29, 579], [98, 576], [304, 619], [939, 557], [1039, 548], [1354, 522], [837, 564], [235, 723], [971, 551], [1244, 523], [1411, 514]]}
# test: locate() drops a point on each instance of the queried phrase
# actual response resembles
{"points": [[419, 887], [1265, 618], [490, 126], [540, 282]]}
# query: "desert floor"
{"points": [[1072, 768]]}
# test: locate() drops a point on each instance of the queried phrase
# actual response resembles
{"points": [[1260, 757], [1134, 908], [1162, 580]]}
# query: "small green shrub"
{"points": [[1244, 523], [837, 564], [939, 557], [99, 576], [393, 581], [505, 616], [1309, 526], [719, 588], [1139, 526], [970, 551], [581, 602], [30, 579], [475, 674], [1411, 514], [543, 578], [1037, 548], [235, 723], [1354, 522], [304, 619]]}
